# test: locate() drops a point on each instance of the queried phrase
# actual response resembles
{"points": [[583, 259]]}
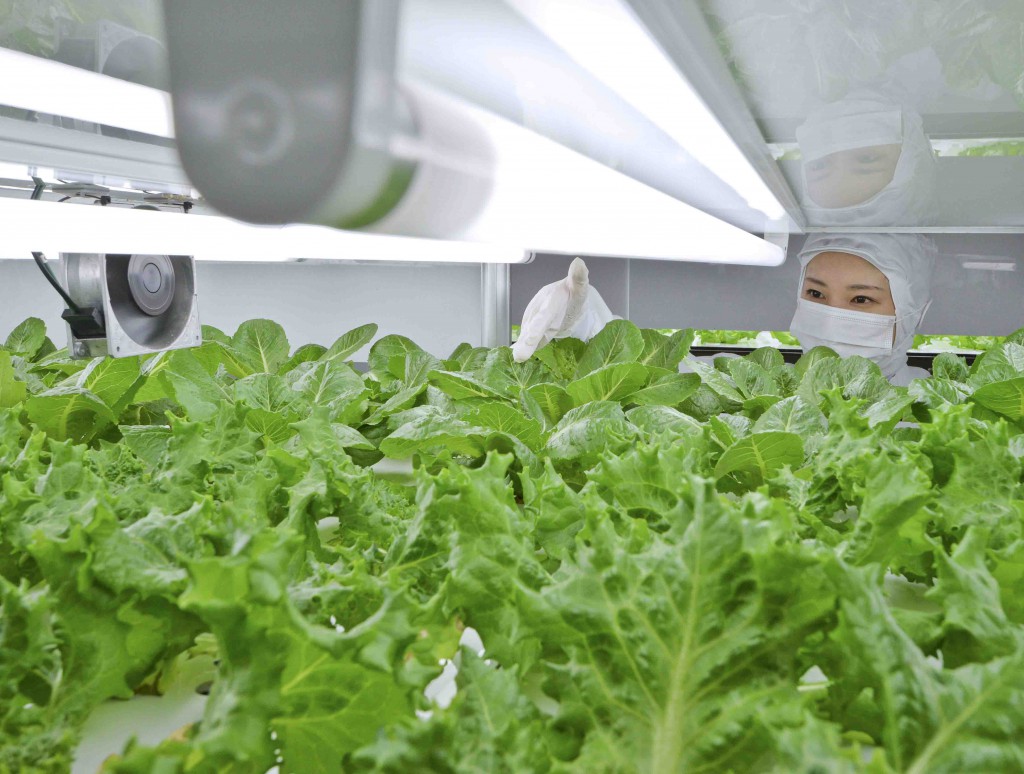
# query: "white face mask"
{"points": [[886, 339], [847, 332]]}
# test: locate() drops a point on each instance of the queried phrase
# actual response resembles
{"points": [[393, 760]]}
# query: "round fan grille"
{"points": [[151, 281]]}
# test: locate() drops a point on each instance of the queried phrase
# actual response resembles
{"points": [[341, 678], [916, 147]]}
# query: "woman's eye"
{"points": [[815, 293], [862, 300]]}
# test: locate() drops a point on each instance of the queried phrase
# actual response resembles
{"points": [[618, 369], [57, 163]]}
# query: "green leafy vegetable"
{"points": [[749, 566]]}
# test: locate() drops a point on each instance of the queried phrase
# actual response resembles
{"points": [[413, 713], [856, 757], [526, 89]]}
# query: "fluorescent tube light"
{"points": [[553, 199], [33, 83], [55, 228], [606, 38], [990, 265]]}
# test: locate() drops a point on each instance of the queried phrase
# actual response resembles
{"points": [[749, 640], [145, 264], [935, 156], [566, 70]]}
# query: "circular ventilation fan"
{"points": [[151, 297], [144, 303], [151, 281]]}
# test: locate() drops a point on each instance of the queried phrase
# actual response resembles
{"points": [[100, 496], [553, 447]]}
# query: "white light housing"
{"points": [[553, 199], [33, 83], [606, 38], [55, 228]]}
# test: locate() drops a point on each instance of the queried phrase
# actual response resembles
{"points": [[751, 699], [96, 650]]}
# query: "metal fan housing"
{"points": [[149, 302]]}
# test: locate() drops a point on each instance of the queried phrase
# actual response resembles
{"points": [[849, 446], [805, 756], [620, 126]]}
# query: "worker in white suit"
{"points": [[859, 294], [866, 162], [867, 295]]}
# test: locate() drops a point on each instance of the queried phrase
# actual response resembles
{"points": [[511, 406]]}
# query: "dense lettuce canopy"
{"points": [[755, 566]]}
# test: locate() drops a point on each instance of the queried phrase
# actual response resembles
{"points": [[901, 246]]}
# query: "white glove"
{"points": [[569, 307]]}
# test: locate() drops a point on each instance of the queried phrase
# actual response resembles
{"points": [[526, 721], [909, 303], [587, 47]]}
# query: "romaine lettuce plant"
{"points": [[752, 566]]}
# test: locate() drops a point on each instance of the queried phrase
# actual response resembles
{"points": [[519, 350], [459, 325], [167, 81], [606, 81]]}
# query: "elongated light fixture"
{"points": [[606, 38], [44, 86], [553, 199], [86, 228]]}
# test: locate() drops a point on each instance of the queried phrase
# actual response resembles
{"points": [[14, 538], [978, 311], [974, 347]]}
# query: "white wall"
{"points": [[438, 305], [666, 294]]}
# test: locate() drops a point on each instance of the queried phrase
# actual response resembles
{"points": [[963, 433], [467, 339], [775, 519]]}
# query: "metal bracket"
{"points": [[76, 154], [778, 238], [169, 200]]}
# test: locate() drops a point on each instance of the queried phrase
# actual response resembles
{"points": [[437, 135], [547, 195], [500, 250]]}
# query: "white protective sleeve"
{"points": [[595, 316]]}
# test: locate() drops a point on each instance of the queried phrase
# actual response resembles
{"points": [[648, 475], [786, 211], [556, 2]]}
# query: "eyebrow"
{"points": [[817, 281]]}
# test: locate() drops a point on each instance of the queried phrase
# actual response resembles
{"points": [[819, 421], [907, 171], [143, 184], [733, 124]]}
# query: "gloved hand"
{"points": [[569, 307]]}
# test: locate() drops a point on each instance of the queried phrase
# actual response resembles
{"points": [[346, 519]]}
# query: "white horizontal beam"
{"points": [[33, 83], [55, 228], [1009, 229]]}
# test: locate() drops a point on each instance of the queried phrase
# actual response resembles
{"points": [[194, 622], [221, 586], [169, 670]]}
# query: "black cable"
{"points": [[41, 263]]}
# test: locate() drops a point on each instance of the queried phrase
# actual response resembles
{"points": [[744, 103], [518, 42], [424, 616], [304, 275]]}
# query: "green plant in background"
{"points": [[1009, 148], [828, 49], [922, 343], [32, 26], [754, 566], [746, 338]]}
